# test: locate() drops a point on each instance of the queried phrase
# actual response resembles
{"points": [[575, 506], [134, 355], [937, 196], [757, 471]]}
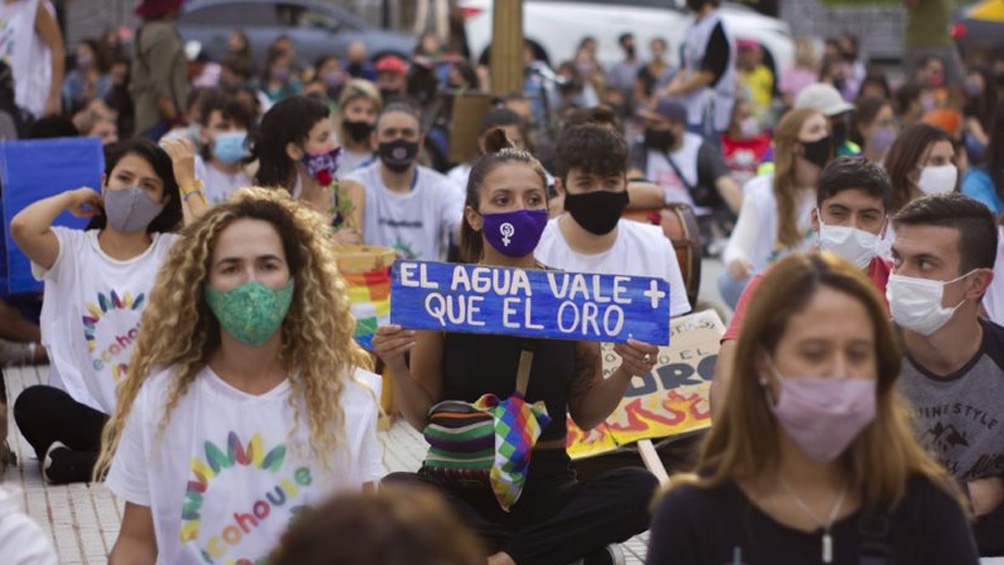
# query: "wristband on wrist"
{"points": [[196, 188]]}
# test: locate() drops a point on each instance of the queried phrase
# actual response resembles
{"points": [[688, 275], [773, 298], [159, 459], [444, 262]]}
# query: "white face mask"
{"points": [[916, 303], [938, 180], [856, 246]]}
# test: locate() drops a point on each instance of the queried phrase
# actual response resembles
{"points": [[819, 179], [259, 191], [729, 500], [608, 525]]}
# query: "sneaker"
{"points": [[609, 555], [13, 354], [58, 464]]}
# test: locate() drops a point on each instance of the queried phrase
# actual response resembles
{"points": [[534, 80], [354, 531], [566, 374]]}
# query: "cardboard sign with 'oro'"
{"points": [[529, 302], [670, 401]]}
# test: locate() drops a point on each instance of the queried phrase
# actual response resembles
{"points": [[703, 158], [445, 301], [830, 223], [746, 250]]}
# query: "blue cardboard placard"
{"points": [[35, 169], [528, 302]]}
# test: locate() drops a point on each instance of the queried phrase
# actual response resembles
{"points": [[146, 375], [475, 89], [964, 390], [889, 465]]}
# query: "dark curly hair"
{"points": [[592, 149]]}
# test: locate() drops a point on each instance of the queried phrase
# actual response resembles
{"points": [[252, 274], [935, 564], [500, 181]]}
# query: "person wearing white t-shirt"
{"points": [[590, 235], [776, 216], [223, 132], [250, 404], [97, 284], [399, 203]]}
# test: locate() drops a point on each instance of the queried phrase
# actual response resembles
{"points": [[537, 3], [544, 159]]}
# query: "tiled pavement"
{"points": [[84, 520]]}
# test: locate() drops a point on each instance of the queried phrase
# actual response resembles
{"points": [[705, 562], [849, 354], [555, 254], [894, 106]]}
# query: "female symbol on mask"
{"points": [[507, 232]]}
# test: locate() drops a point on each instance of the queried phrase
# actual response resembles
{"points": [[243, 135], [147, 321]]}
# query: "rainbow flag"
{"points": [[369, 294]]}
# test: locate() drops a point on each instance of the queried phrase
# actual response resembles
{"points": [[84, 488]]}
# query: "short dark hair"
{"points": [[857, 173], [971, 218], [229, 106], [591, 148]]}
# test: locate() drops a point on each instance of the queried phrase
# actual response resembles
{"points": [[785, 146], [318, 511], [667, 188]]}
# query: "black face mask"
{"points": [[630, 51], [355, 70], [358, 131], [839, 132], [597, 212], [398, 155], [696, 5], [660, 140], [818, 152]]}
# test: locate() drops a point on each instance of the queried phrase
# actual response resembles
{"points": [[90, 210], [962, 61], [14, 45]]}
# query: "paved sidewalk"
{"points": [[84, 521]]}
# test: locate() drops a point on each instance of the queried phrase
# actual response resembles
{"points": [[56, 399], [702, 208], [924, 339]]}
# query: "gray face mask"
{"points": [[130, 209]]}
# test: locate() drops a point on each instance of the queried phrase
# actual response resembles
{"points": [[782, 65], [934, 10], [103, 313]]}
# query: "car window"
{"points": [[292, 15], [249, 15]]}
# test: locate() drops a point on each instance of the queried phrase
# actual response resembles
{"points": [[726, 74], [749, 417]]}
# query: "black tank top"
{"points": [[477, 364]]}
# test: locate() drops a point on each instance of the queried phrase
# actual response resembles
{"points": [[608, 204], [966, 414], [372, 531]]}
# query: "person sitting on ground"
{"points": [[557, 519], [827, 100], [776, 216], [921, 161], [851, 214], [223, 134], [689, 168], [392, 527], [943, 259], [96, 286], [398, 203], [813, 459], [97, 121], [874, 127], [296, 150], [590, 236], [253, 319], [359, 107]]}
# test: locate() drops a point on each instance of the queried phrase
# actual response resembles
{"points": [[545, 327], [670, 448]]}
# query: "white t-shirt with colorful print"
{"points": [[91, 311], [227, 475]]}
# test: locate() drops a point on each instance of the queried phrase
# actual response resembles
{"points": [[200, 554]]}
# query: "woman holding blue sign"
{"points": [[519, 493], [97, 284]]}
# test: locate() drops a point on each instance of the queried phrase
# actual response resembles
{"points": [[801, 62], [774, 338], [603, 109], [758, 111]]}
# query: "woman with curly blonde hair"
{"points": [[245, 401]]}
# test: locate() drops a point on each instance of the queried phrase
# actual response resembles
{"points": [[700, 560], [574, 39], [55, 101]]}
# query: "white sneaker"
{"points": [[614, 556]]}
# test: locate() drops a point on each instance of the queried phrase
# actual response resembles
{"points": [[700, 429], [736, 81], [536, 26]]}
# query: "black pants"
{"points": [[46, 414], [557, 519], [989, 532]]}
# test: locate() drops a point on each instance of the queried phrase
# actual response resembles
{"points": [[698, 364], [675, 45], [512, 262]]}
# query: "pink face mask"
{"points": [[823, 415]]}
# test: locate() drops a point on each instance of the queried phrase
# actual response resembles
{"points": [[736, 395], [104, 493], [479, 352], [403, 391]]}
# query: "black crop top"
{"points": [[474, 365]]}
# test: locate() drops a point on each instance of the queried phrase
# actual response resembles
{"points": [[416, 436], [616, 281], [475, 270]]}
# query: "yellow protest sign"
{"points": [[671, 400]]}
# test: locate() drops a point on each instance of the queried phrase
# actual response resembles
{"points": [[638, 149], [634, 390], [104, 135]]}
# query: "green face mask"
{"points": [[251, 312]]}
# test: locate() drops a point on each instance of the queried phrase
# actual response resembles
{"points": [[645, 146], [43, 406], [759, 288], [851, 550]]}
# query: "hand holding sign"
{"points": [[637, 358], [390, 343]]}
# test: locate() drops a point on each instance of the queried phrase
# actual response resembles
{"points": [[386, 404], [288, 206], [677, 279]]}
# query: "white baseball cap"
{"points": [[823, 98]]}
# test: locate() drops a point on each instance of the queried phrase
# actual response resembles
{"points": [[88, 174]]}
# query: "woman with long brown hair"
{"points": [[775, 217], [813, 458], [557, 518]]}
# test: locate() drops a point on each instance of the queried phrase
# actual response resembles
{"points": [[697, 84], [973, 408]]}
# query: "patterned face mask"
{"points": [[251, 312]]}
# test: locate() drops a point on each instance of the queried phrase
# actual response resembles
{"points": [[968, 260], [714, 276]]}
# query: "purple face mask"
{"points": [[823, 415], [514, 234]]}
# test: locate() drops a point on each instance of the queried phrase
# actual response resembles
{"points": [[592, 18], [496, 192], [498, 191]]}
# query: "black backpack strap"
{"points": [[876, 547]]}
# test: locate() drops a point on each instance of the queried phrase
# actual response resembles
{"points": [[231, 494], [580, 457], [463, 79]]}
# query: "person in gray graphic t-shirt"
{"points": [[953, 377]]}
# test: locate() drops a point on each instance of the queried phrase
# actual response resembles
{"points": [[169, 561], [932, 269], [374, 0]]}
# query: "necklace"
{"points": [[827, 525]]}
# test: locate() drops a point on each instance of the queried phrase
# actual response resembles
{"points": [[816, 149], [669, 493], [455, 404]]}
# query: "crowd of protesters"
{"points": [[856, 397]]}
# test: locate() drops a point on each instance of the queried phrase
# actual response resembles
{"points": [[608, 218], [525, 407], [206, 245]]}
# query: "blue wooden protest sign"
{"points": [[528, 302], [36, 169]]}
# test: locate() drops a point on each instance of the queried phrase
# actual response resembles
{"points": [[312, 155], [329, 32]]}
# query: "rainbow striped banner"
{"points": [[369, 293]]}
